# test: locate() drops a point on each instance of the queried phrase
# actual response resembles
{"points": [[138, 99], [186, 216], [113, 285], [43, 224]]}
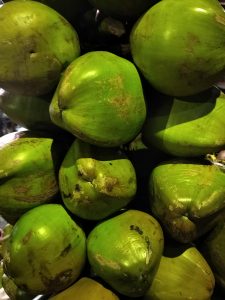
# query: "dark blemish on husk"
{"points": [[109, 186], [110, 164], [24, 287], [27, 237], [66, 250], [59, 281], [73, 228], [143, 277], [136, 228], [130, 180], [77, 188], [31, 262], [110, 183], [66, 195], [148, 242], [79, 173]]}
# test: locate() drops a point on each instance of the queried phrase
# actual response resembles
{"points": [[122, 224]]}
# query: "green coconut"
{"points": [[187, 197], [29, 164], [99, 99], [182, 274], [95, 182], [125, 251], [186, 126], [36, 44], [46, 250], [178, 46], [85, 288]]}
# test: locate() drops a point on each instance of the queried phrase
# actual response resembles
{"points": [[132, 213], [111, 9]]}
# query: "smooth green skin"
{"points": [[28, 172], [47, 250], [124, 9], [36, 45], [213, 250], [31, 112], [186, 276], [183, 54], [96, 182], [100, 100], [182, 127], [187, 198], [125, 251]]}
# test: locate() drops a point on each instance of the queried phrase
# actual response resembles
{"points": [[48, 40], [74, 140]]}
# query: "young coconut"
{"points": [[183, 274], [95, 182], [36, 45], [179, 45], [187, 197], [125, 251], [29, 163], [100, 100], [46, 251]]}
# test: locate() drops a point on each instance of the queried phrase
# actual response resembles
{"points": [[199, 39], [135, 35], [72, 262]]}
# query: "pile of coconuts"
{"points": [[115, 188]]}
